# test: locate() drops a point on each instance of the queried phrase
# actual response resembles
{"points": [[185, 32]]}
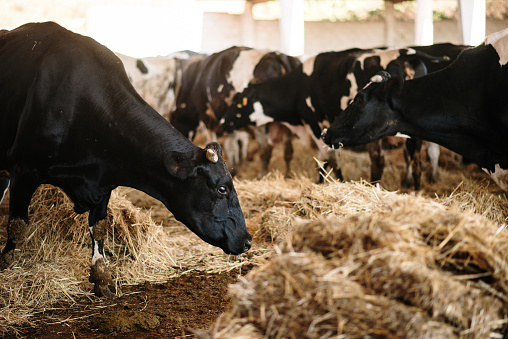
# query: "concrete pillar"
{"points": [[424, 23], [389, 24], [292, 27], [248, 29], [472, 21]]}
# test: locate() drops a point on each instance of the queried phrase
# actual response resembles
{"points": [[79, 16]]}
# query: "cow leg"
{"points": [[265, 149], [208, 134], [377, 161], [329, 157], [408, 181], [231, 148], [22, 188], [100, 275], [243, 139], [288, 150], [235, 146], [412, 152], [4, 184], [333, 159], [322, 172], [265, 156], [433, 152]]}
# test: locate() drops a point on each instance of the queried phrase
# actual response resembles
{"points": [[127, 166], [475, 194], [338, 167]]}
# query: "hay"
{"points": [[350, 258], [53, 264], [476, 196], [380, 264]]}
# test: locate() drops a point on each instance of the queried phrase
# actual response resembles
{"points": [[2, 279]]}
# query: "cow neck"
{"points": [[143, 163], [461, 126]]}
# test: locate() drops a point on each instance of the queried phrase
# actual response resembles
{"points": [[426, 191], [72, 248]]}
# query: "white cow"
{"points": [[157, 79]]}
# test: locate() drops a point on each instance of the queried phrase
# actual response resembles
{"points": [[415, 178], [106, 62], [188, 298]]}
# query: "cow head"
{"points": [[371, 116], [244, 110], [204, 199]]}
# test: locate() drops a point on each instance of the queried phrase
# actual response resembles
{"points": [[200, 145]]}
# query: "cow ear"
{"points": [[394, 86], [178, 165]]}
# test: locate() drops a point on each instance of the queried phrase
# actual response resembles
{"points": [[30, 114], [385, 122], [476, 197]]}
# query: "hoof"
{"points": [[103, 283], [107, 291], [17, 231], [6, 260]]}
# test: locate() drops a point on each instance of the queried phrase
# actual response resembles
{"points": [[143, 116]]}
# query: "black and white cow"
{"points": [[185, 120], [463, 107], [70, 117], [218, 77], [157, 79], [314, 95]]}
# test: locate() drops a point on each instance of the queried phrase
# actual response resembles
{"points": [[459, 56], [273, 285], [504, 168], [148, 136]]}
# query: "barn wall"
{"points": [[224, 30]]}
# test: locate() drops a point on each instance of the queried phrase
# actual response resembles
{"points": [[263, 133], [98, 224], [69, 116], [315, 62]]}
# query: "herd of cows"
{"points": [[75, 115], [242, 91]]}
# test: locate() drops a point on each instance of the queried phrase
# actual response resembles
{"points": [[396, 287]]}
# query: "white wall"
{"points": [[221, 31], [141, 31]]}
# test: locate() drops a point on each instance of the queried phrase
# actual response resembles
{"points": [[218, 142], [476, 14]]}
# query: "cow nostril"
{"points": [[247, 245]]}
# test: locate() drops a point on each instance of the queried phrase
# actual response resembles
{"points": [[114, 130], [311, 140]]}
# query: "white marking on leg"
{"points": [[409, 174], [5, 191], [231, 149], [243, 138], [96, 254], [433, 151]]}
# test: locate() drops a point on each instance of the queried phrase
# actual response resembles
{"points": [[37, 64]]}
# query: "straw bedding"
{"points": [[334, 260], [53, 263], [370, 263]]}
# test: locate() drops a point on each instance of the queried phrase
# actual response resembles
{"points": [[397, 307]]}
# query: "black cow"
{"points": [[316, 94], [451, 51], [70, 117], [218, 77], [463, 107]]}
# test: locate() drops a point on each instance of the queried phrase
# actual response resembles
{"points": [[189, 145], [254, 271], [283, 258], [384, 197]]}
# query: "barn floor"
{"points": [[196, 299]]}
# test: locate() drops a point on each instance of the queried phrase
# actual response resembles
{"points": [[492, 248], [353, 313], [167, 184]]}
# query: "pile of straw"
{"points": [[372, 263], [349, 258], [54, 262]]}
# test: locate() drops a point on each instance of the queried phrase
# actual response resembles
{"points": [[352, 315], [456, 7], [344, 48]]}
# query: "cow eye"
{"points": [[223, 190]]}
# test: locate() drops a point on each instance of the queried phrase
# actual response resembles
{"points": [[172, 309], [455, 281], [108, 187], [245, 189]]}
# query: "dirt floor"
{"points": [[169, 310], [193, 301]]}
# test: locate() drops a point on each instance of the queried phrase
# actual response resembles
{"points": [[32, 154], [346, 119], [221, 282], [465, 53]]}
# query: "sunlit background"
{"points": [[158, 27]]}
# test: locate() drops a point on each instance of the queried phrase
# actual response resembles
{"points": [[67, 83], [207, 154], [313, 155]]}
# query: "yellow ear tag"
{"points": [[239, 105], [244, 102]]}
